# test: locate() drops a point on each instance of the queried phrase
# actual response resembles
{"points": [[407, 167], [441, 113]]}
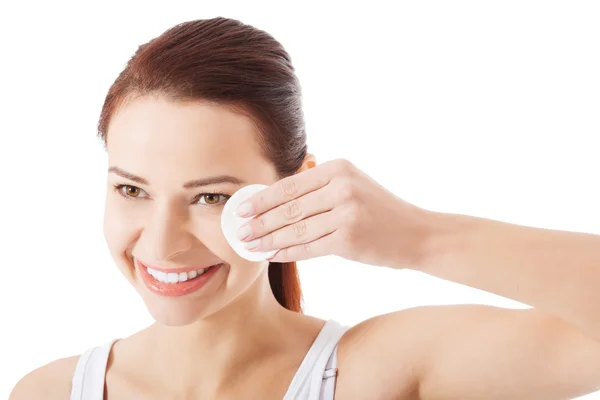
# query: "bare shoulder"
{"points": [[51, 381], [466, 351], [364, 350]]}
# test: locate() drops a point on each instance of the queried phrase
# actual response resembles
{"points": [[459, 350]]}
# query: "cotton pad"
{"points": [[230, 223]]}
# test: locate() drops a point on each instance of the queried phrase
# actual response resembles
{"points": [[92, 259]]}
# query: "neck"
{"points": [[248, 333]]}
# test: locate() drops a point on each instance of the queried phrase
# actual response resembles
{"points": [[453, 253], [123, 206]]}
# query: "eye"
{"points": [[129, 191], [212, 199]]}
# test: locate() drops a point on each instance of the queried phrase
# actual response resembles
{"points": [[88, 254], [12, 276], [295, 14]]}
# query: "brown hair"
{"points": [[224, 61]]}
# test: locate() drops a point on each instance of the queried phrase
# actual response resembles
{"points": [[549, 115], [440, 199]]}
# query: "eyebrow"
{"points": [[212, 180]]}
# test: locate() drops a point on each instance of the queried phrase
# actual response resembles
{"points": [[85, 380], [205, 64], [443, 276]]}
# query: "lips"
{"points": [[169, 288]]}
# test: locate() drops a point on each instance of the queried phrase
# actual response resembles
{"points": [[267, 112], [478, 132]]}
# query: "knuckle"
{"points": [[260, 202], [350, 234], [346, 189], [346, 237], [352, 214], [292, 210], [257, 224], [267, 240], [288, 187], [343, 166], [300, 228], [351, 225], [306, 248], [350, 238], [283, 253]]}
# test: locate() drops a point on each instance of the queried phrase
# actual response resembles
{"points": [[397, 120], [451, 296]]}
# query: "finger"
{"points": [[303, 231], [317, 248], [284, 190], [313, 203]]}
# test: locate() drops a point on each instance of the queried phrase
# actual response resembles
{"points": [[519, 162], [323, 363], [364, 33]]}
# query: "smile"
{"points": [[175, 282], [174, 277]]}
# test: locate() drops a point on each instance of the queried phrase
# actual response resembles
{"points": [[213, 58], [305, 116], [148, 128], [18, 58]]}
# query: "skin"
{"points": [[466, 352]]}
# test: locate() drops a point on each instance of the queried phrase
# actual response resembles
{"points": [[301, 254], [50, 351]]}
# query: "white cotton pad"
{"points": [[230, 223]]}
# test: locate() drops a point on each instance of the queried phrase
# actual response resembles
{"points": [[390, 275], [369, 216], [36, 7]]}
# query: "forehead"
{"points": [[183, 139]]}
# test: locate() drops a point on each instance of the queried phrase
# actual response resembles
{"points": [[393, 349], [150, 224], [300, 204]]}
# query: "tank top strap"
{"points": [[315, 378], [90, 372], [329, 377]]}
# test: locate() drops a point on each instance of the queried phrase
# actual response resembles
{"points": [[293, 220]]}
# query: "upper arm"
{"points": [[51, 381], [480, 352], [500, 353]]}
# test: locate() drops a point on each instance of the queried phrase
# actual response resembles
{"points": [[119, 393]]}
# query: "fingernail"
{"points": [[253, 244], [244, 209], [244, 231]]}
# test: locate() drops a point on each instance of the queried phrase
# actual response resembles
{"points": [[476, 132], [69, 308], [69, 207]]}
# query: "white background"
{"points": [[484, 108]]}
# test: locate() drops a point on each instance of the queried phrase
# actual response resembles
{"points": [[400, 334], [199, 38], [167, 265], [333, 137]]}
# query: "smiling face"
{"points": [[172, 166]]}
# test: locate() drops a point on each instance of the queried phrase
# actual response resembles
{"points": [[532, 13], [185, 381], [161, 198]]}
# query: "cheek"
{"points": [[122, 225], [206, 227]]}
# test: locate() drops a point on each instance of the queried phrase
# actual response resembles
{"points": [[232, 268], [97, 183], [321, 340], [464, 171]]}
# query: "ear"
{"points": [[309, 162]]}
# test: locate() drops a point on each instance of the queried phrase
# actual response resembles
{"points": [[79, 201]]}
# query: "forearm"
{"points": [[556, 272]]}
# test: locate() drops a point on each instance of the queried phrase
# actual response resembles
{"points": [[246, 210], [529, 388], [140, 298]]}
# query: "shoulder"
{"points": [[51, 381], [364, 351]]}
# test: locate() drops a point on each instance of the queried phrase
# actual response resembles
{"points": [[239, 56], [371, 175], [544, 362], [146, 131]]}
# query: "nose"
{"points": [[166, 233]]}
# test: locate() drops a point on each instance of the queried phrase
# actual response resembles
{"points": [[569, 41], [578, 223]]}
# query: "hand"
{"points": [[334, 208]]}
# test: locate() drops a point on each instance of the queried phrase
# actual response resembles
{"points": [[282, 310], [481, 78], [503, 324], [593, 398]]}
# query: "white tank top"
{"points": [[314, 380]]}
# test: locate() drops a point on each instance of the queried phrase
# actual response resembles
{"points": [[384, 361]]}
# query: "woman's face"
{"points": [[161, 210]]}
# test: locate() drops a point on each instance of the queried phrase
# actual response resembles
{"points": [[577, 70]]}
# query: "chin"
{"points": [[177, 313]]}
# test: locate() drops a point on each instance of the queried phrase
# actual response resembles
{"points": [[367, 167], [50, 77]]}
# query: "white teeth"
{"points": [[173, 277]]}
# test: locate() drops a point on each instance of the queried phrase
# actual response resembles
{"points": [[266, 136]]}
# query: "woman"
{"points": [[213, 105]]}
